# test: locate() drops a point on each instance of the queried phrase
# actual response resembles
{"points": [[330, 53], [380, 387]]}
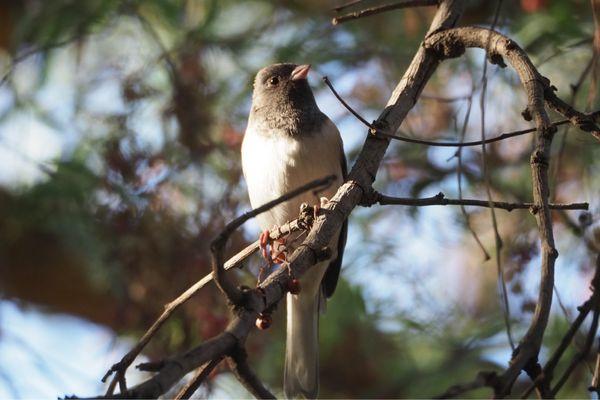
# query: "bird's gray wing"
{"points": [[332, 274]]}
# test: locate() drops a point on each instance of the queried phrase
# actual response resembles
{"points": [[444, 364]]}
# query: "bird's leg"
{"points": [[265, 242], [274, 251]]}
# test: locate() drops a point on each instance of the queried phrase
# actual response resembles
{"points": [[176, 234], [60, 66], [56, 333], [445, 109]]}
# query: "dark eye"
{"points": [[273, 81]]}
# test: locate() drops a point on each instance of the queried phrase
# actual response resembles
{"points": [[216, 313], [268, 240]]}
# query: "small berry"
{"points": [[294, 286], [263, 321]]}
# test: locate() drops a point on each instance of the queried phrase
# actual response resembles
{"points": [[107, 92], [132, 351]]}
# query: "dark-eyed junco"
{"points": [[288, 143]]}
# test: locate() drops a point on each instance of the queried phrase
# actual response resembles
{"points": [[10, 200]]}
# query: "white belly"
{"points": [[276, 164]]}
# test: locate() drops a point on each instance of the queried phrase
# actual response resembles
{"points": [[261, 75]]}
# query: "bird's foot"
{"points": [[265, 242], [274, 251]]}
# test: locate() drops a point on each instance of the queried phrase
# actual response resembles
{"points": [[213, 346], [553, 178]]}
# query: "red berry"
{"points": [[263, 321], [294, 286]]}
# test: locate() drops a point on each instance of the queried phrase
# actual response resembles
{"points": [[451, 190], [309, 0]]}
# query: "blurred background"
{"points": [[120, 130]]}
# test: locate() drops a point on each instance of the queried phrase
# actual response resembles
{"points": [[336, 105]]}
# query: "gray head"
{"points": [[283, 101]]}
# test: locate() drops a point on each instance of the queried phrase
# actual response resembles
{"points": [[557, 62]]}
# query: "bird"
{"points": [[289, 142]]}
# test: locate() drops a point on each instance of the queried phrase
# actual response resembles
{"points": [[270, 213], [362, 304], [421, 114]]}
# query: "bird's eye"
{"points": [[273, 81]]}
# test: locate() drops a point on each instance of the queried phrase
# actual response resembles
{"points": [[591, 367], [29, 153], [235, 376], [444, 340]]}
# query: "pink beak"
{"points": [[300, 72]]}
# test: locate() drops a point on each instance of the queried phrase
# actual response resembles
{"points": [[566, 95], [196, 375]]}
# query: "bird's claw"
{"points": [[274, 251], [265, 240]]}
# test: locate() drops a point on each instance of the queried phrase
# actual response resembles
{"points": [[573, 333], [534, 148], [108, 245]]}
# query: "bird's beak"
{"points": [[300, 72]]}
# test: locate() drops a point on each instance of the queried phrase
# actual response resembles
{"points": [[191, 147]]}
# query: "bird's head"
{"points": [[281, 88]]}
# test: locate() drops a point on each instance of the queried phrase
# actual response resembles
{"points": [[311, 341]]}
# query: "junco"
{"points": [[288, 143]]}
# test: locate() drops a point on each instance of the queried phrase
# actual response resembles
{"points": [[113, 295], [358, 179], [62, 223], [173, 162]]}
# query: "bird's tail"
{"points": [[301, 375]]}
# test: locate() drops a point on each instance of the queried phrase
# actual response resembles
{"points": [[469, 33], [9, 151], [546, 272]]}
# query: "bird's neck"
{"points": [[287, 119]]}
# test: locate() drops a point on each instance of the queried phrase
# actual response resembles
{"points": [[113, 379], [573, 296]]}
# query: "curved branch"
{"points": [[452, 43]]}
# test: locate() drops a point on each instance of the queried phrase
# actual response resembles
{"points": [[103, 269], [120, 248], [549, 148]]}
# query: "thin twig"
{"points": [[580, 356], [380, 132], [584, 310], [563, 135], [336, 94], [381, 9], [440, 200], [238, 362], [459, 172], [593, 304]]}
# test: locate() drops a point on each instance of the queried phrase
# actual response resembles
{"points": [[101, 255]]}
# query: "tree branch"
{"points": [[194, 384], [452, 43], [506, 135], [441, 200], [590, 304], [381, 9], [239, 365], [233, 294]]}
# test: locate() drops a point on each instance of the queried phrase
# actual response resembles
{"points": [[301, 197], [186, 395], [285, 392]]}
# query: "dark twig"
{"points": [[585, 122], [575, 87], [459, 176], [440, 200], [580, 356], [381, 9], [592, 304], [548, 370], [336, 94], [238, 363], [194, 384], [498, 138], [233, 294], [380, 132]]}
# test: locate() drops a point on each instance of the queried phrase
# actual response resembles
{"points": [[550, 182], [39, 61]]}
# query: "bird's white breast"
{"points": [[275, 164]]}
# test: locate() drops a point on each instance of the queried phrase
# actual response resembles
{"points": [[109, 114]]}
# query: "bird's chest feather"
{"points": [[276, 164]]}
